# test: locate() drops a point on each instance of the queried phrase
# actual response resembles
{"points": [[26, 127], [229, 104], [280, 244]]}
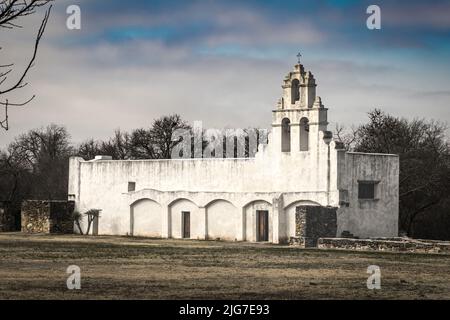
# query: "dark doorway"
{"points": [[186, 225], [262, 225], [17, 220]]}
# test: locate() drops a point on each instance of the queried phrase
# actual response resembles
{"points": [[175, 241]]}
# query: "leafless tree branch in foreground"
{"points": [[10, 12]]}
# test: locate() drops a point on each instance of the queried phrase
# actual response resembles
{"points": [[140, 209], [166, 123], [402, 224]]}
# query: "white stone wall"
{"points": [[370, 218], [229, 185], [230, 215]]}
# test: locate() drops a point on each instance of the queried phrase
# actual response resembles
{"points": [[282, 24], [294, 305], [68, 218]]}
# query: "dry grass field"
{"points": [[34, 267]]}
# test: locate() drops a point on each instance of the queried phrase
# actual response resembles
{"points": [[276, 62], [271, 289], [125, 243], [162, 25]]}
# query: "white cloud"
{"points": [[96, 88]]}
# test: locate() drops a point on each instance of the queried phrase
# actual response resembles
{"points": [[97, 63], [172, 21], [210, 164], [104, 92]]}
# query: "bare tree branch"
{"points": [[17, 104], [4, 123], [11, 10], [347, 137], [19, 83]]}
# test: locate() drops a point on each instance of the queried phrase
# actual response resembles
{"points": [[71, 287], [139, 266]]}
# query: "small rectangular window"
{"points": [[131, 186], [367, 190]]}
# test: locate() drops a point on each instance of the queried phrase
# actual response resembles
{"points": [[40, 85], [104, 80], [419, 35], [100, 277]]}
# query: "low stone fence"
{"points": [[388, 245], [47, 216]]}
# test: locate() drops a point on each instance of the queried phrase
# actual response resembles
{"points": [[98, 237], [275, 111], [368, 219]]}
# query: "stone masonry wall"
{"points": [[312, 223], [47, 216], [35, 217]]}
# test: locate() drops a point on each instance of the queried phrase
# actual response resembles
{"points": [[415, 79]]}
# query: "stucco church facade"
{"points": [[301, 185]]}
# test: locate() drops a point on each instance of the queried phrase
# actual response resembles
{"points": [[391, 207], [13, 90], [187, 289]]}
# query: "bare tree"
{"points": [[162, 134], [142, 146], [11, 11], [118, 146], [35, 166], [89, 149], [12, 173], [44, 153], [347, 136]]}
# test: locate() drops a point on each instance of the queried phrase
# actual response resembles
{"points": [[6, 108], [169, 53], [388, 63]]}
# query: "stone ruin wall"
{"points": [[386, 245], [47, 217], [312, 223]]}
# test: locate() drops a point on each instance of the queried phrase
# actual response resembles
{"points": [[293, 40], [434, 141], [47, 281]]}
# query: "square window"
{"points": [[367, 190], [131, 186]]}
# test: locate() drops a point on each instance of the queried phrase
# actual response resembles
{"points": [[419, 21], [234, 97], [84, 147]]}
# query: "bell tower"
{"points": [[300, 115]]}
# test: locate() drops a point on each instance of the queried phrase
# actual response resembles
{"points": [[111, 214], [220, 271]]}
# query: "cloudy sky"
{"points": [[223, 62]]}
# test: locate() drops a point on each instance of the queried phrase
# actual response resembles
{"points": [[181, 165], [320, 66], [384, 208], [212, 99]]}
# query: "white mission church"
{"points": [[302, 185]]}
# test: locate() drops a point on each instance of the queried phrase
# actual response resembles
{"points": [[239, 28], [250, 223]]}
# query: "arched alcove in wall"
{"points": [[304, 134], [257, 216], [223, 220], [146, 218], [185, 221]]}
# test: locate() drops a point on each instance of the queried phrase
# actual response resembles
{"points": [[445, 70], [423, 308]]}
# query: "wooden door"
{"points": [[262, 224]]}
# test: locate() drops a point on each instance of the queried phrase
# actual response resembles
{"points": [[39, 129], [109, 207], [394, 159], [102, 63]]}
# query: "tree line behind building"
{"points": [[35, 164]]}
